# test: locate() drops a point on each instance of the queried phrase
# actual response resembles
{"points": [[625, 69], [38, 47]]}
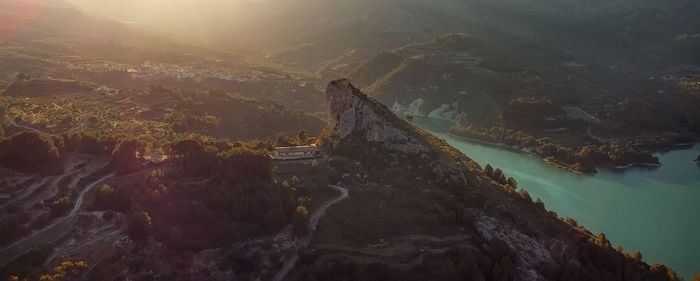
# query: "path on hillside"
{"points": [[79, 201], [28, 191], [37, 130], [315, 217], [313, 222], [31, 129], [73, 212]]}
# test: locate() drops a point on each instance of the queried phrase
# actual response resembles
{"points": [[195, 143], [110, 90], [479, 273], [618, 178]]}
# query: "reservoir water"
{"points": [[655, 210]]}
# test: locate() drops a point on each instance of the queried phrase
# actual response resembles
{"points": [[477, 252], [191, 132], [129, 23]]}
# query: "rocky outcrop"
{"points": [[697, 159], [451, 112], [412, 109], [354, 114], [534, 244], [531, 251]]}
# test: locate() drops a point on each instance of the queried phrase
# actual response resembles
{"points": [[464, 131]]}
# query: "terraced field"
{"points": [[402, 252]]}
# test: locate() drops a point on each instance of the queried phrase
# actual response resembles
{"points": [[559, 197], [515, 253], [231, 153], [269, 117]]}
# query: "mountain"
{"points": [[583, 84], [44, 33], [195, 207], [419, 209], [611, 29], [137, 139], [340, 32], [54, 39], [495, 91]]}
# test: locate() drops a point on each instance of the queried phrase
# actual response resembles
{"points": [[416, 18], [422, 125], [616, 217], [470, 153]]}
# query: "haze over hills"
{"points": [[202, 140], [593, 28]]}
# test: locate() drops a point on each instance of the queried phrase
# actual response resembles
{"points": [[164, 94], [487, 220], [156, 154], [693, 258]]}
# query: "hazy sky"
{"points": [[253, 20], [154, 10]]}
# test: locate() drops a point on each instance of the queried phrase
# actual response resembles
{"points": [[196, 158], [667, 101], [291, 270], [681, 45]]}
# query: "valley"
{"points": [[349, 140], [536, 99]]}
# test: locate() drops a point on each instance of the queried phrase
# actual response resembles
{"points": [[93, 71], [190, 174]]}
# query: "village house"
{"points": [[294, 152], [133, 73]]}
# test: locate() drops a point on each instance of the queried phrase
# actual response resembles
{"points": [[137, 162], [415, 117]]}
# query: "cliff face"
{"points": [[355, 114], [421, 205]]}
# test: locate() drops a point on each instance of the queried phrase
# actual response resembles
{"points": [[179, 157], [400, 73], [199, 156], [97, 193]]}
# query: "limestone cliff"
{"points": [[354, 113], [416, 188]]}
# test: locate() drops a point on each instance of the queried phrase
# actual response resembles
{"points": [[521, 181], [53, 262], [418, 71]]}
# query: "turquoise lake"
{"points": [[651, 209]]}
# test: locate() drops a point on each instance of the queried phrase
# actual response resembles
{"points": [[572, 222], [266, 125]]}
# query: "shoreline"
{"points": [[566, 168], [492, 144], [622, 167], [528, 150], [524, 151]]}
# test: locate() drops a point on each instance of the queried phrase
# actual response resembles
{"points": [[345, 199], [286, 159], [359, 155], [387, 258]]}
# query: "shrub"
{"points": [[140, 226], [30, 152]]}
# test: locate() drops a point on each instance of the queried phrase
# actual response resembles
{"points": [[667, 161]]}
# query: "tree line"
{"points": [[232, 185], [583, 160]]}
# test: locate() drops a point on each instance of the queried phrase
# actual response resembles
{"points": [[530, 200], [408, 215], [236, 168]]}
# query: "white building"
{"points": [[294, 152]]}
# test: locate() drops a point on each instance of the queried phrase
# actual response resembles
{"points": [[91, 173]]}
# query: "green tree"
{"points": [[29, 151], [282, 140], [601, 240], [637, 256], [300, 220], [140, 225], [153, 178], [499, 176], [67, 270], [539, 203], [488, 170], [524, 195], [60, 206], [512, 182], [110, 198], [302, 137], [127, 156]]}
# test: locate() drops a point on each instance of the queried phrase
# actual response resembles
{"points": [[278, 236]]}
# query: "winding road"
{"points": [[315, 217], [313, 222]]}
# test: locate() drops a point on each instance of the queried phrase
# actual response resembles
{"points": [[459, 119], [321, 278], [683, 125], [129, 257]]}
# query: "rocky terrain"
{"points": [[353, 112], [404, 205], [439, 215], [128, 154]]}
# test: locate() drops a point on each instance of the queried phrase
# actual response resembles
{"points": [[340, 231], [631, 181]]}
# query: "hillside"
{"points": [[410, 207], [342, 39], [58, 41], [494, 91], [54, 30], [142, 213], [48, 87], [202, 140], [420, 209], [164, 113]]}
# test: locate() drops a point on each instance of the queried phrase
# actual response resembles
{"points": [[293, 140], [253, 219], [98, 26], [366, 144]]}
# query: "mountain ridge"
{"points": [[478, 225]]}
